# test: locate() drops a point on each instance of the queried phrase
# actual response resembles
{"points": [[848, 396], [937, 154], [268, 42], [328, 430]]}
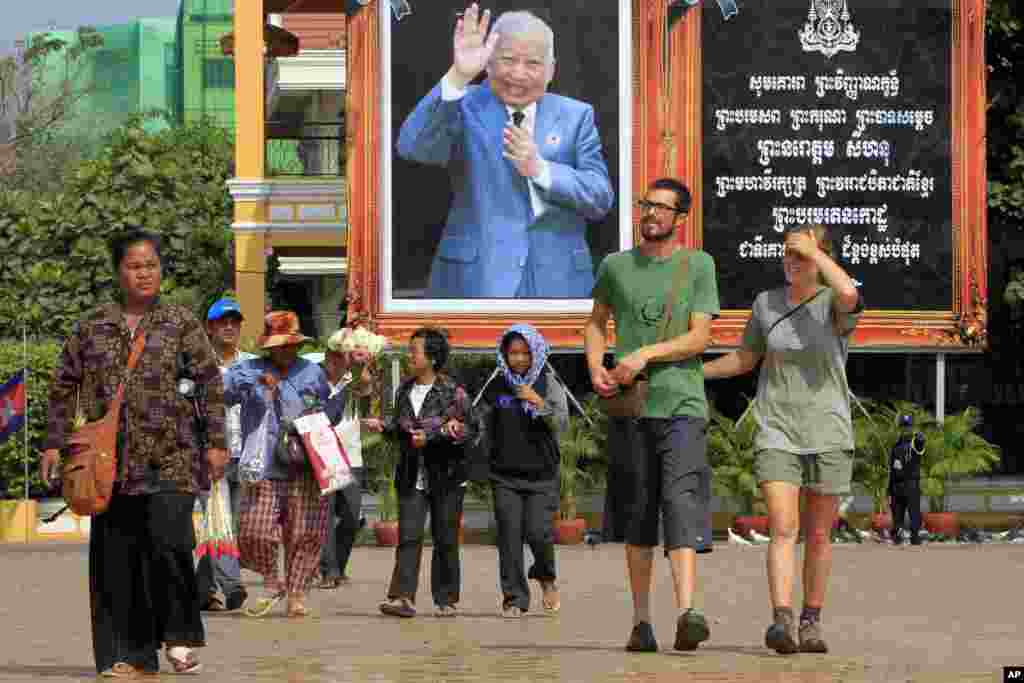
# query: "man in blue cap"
{"points": [[224, 328], [905, 481]]}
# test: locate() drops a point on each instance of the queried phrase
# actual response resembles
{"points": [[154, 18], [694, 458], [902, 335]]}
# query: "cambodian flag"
{"points": [[12, 405]]}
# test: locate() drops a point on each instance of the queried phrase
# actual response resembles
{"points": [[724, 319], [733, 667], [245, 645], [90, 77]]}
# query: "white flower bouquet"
{"points": [[362, 348]]}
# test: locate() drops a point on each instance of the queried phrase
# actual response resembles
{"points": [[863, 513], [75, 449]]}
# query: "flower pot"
{"points": [[744, 523], [881, 521], [570, 531], [942, 523], [386, 533]]}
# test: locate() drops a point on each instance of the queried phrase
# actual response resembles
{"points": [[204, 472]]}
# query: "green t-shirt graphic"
{"points": [[634, 287]]}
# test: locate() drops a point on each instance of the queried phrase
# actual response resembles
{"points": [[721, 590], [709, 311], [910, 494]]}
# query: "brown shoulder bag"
{"points": [[91, 468], [630, 400]]}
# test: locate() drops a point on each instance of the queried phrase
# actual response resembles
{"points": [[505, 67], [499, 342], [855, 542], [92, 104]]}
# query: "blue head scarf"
{"points": [[538, 359]]}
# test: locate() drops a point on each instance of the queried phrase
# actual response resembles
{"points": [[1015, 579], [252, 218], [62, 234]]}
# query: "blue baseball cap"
{"points": [[222, 308]]}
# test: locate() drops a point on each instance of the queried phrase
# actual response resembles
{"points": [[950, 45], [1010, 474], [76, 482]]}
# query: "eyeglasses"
{"points": [[646, 206]]}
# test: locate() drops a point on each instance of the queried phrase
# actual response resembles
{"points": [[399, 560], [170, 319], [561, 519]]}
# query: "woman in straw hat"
{"points": [[281, 505]]}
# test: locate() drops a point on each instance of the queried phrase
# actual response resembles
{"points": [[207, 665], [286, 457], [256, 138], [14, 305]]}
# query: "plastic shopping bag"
{"points": [[348, 433], [331, 465], [252, 465]]}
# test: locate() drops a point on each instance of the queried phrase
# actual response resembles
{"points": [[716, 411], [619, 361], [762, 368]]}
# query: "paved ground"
{"points": [[938, 613]]}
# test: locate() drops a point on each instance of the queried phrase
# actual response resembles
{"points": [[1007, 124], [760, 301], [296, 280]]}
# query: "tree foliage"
{"points": [[40, 89], [41, 360], [172, 183], [1005, 46]]}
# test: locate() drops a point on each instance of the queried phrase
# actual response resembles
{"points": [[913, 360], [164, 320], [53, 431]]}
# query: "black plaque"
{"points": [[891, 226]]}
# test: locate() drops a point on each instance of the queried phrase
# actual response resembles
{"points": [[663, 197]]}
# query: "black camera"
{"points": [[193, 392]]}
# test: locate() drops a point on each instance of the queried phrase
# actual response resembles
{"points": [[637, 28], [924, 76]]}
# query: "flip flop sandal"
{"points": [[551, 605], [297, 609], [262, 607], [329, 584], [189, 665], [122, 670]]}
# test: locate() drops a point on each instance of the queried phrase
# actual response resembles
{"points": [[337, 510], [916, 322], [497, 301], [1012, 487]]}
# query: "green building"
{"points": [[134, 71], [206, 88]]}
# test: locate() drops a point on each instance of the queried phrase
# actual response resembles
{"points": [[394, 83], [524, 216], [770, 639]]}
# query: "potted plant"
{"points": [[385, 529], [875, 431], [952, 449], [381, 454], [731, 455], [578, 446]]}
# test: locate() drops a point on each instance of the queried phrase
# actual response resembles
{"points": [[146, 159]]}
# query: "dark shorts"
{"points": [[658, 470]]}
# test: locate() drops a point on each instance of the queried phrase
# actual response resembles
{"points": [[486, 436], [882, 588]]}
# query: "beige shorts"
{"points": [[828, 473]]}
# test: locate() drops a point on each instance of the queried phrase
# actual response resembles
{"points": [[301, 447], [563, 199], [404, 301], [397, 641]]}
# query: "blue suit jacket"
{"points": [[493, 245]]}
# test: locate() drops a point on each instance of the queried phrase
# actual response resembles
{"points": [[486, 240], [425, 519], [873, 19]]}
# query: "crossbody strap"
{"points": [[793, 310], [672, 295], [138, 343]]}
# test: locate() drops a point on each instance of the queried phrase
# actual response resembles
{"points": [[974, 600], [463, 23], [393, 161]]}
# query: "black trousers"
{"points": [[444, 506], [142, 585], [906, 504], [524, 516], [342, 528]]}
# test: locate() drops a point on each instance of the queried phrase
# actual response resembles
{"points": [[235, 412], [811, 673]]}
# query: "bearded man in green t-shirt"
{"points": [[658, 461]]}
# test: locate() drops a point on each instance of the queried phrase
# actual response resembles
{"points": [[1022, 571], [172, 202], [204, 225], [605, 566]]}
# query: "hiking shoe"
{"points": [[691, 630], [642, 639], [399, 607], [781, 636], [810, 638]]}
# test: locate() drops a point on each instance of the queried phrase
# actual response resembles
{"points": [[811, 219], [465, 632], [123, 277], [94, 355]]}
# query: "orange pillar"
{"points": [[250, 135]]}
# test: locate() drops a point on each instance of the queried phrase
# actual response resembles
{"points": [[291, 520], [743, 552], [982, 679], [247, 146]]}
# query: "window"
{"points": [[218, 72]]}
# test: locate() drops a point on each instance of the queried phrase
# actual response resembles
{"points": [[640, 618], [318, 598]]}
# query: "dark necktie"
{"points": [[517, 118]]}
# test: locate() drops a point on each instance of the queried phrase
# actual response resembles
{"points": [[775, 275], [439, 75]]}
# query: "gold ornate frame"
{"points": [[667, 131]]}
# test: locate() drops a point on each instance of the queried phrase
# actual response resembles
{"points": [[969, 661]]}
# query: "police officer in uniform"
{"points": [[905, 481]]}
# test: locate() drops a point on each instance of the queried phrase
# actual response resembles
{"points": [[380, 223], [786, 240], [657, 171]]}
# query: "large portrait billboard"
{"points": [[467, 226]]}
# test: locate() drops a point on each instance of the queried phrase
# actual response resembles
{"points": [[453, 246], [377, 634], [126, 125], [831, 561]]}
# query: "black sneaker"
{"points": [[642, 639], [691, 630], [235, 600]]}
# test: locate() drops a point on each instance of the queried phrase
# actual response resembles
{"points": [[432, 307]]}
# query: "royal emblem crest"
{"points": [[829, 29]]}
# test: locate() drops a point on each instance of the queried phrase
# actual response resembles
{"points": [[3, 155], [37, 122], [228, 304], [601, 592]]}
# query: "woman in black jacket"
{"points": [[430, 413], [523, 408]]}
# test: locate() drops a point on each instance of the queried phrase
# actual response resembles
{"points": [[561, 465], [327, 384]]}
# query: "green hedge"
{"points": [[42, 358]]}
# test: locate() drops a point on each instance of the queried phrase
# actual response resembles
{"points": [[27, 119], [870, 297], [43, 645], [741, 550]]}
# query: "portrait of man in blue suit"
{"points": [[526, 166]]}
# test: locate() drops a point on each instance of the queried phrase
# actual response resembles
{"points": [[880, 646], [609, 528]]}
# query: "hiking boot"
{"points": [[810, 637], [781, 636], [642, 639], [691, 630]]}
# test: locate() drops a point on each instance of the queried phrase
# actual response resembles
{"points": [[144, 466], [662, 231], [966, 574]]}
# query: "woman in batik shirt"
{"points": [[142, 584]]}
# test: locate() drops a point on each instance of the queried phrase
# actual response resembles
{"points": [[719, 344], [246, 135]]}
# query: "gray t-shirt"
{"points": [[803, 399]]}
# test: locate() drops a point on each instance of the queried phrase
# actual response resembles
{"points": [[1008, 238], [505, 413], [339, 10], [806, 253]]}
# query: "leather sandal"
{"points": [[123, 670]]}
